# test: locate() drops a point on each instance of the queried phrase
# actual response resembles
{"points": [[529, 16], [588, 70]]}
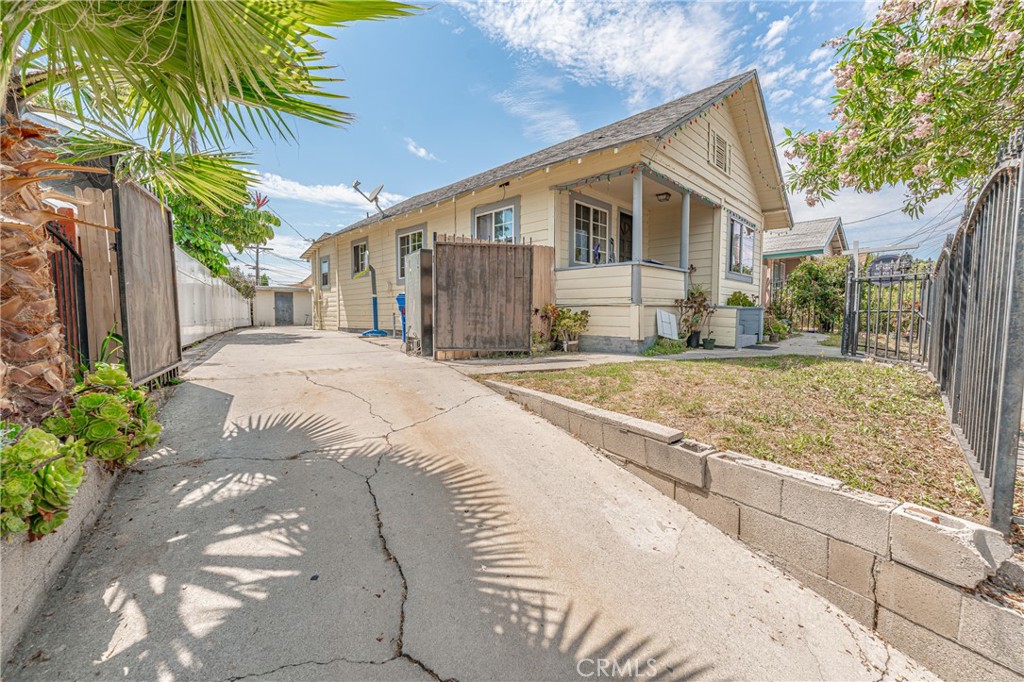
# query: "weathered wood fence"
{"points": [[484, 295]]}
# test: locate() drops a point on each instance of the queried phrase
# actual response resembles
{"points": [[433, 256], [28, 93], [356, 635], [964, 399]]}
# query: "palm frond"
{"points": [[187, 66], [214, 178]]}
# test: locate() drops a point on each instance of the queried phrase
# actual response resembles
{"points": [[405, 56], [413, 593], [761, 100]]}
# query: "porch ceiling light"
{"points": [[663, 196]]}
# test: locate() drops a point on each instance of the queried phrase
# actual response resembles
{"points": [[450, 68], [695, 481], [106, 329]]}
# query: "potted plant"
{"points": [[567, 326], [709, 343], [694, 313]]}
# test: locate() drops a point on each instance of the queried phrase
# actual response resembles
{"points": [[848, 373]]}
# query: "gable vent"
{"points": [[720, 152]]}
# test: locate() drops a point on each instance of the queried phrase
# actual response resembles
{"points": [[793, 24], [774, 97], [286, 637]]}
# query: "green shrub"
{"points": [[40, 476], [112, 418], [739, 298], [664, 346]]}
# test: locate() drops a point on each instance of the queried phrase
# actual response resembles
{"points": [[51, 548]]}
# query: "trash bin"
{"points": [[401, 309]]}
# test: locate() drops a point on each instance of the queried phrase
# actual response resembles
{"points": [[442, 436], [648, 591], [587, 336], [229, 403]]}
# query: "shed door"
{"points": [[283, 308]]}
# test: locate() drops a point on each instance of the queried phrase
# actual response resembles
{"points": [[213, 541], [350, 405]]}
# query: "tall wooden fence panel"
{"points": [[483, 296], [99, 260], [145, 248], [543, 284]]}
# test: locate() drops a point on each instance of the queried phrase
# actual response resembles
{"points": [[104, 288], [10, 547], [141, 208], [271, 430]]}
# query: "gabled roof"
{"points": [[804, 238], [651, 123]]}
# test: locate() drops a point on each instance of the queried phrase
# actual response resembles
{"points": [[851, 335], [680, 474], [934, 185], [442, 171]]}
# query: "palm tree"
{"points": [[183, 76]]}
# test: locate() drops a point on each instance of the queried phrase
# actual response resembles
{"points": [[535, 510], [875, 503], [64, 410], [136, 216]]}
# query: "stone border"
{"points": [[903, 570], [30, 570]]}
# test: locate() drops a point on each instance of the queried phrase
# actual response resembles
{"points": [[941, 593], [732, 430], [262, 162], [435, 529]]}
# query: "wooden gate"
{"points": [[483, 296], [148, 281]]}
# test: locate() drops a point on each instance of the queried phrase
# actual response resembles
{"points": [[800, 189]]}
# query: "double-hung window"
{"points": [[409, 241], [498, 225], [360, 256], [325, 271], [741, 246], [591, 234]]}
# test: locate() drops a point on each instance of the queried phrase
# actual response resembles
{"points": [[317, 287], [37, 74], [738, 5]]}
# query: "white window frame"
{"points": [[358, 265], [746, 229], [510, 204], [399, 256], [325, 271], [592, 206]]}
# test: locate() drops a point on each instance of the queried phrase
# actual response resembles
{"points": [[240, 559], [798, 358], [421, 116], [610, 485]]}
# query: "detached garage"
{"points": [[283, 305]]}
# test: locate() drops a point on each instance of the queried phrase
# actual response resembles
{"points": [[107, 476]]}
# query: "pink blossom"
{"points": [[824, 136], [789, 154], [847, 149], [847, 178], [804, 138], [924, 127], [920, 169], [924, 98], [1008, 40], [904, 58]]}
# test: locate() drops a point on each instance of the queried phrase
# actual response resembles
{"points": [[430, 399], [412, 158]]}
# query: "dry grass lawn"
{"points": [[875, 427]]}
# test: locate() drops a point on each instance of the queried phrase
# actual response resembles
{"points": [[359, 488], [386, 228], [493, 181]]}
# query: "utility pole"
{"points": [[258, 249]]}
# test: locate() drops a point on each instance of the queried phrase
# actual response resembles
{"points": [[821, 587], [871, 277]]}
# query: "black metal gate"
{"points": [[885, 316], [964, 323], [69, 290]]}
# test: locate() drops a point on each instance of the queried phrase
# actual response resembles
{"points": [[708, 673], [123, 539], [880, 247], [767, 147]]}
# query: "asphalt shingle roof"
{"points": [[645, 124], [809, 235]]}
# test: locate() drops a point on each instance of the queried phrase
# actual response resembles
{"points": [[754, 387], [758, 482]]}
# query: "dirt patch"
{"points": [[875, 427]]}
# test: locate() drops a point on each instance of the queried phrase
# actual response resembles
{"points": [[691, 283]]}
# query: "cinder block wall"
{"points": [[903, 570], [30, 570]]}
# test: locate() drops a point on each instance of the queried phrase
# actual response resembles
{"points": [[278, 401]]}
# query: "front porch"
{"points": [[631, 241]]}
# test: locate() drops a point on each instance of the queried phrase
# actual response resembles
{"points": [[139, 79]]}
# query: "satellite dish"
{"points": [[374, 193]]}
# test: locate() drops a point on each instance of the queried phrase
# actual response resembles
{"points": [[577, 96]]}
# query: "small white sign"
{"points": [[667, 326]]}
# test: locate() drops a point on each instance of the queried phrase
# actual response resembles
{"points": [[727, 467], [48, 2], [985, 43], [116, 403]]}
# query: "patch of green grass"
{"points": [[875, 427], [834, 340], [664, 347]]}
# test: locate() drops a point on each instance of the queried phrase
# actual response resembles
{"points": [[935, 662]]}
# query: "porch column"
{"points": [[684, 242], [638, 237], [638, 216]]}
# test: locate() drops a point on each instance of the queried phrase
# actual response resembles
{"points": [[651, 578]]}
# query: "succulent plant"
{"points": [[40, 476], [112, 418]]}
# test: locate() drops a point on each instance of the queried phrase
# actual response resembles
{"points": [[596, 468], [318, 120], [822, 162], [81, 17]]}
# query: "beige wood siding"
{"points": [[660, 286], [594, 285]]}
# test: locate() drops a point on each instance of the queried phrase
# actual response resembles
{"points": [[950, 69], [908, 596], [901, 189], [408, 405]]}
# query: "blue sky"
{"points": [[465, 86]]}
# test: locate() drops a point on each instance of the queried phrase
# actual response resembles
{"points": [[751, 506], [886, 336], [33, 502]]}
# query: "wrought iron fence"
{"points": [[964, 323], [803, 318], [69, 291]]}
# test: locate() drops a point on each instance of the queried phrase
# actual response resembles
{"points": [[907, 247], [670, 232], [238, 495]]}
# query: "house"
{"points": [[283, 304], [784, 249], [638, 212]]}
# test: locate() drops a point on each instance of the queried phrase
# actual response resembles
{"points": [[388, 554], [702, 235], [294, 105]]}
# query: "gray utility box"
{"points": [[419, 302]]}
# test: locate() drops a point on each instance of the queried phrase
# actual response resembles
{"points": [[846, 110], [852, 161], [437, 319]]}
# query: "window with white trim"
{"points": [[498, 225], [741, 246], [360, 257], [591, 234], [410, 242], [325, 271]]}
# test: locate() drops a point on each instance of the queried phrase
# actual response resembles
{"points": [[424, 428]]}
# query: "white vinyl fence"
{"points": [[207, 304]]}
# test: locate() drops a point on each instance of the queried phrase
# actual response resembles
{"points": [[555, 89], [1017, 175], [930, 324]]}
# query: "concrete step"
{"points": [[745, 340]]}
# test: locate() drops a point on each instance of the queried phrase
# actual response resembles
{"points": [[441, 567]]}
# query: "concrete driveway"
{"points": [[325, 508]]}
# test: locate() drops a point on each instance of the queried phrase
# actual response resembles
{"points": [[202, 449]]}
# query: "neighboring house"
{"points": [[784, 249], [637, 211], [284, 304]]}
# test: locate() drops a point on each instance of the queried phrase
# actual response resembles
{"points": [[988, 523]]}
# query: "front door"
{"points": [[283, 310], [625, 251]]}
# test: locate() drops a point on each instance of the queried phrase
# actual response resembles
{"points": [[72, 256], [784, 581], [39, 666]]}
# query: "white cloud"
{"points": [[642, 47], [287, 245], [782, 95], [821, 54], [531, 98], [418, 150], [869, 8], [277, 187], [784, 76], [777, 30], [812, 10]]}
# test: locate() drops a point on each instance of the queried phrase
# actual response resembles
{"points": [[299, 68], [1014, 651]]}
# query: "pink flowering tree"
{"points": [[925, 95]]}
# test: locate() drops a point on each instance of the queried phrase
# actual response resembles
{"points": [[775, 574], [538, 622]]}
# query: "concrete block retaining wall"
{"points": [[29, 570], [906, 571]]}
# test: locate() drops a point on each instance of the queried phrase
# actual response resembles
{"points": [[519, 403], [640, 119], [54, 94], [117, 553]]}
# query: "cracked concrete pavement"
{"points": [[322, 508]]}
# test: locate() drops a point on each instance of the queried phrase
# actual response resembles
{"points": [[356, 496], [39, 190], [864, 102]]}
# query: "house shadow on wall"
{"points": [[277, 542]]}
